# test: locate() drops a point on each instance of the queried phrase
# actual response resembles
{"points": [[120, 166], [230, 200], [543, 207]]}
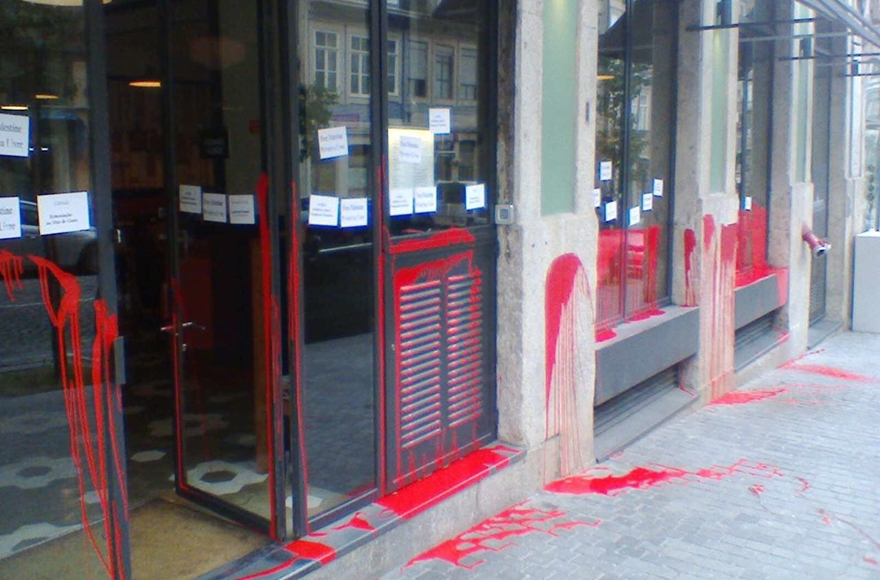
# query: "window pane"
{"points": [[436, 179]]}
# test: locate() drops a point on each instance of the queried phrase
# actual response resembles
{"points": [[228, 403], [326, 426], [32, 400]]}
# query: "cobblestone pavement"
{"points": [[778, 480]]}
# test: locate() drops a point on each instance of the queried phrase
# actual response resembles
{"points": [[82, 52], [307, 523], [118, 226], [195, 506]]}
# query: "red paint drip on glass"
{"points": [[11, 269], [313, 551]]}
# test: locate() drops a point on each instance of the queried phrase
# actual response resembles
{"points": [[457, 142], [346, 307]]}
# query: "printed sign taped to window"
{"points": [[63, 212]]}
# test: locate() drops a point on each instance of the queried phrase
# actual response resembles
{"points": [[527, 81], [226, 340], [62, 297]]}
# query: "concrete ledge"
{"points": [[754, 300], [644, 348]]}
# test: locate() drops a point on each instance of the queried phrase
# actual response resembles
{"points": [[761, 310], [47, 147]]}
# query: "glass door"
{"points": [[224, 314], [63, 498]]}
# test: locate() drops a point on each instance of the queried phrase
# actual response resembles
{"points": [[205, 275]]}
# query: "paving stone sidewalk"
{"points": [[778, 480]]}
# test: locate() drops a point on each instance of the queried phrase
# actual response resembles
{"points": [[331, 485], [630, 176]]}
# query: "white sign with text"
{"points": [[63, 212]]}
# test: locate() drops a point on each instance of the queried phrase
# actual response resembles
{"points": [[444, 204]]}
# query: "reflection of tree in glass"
{"points": [[612, 103], [38, 33], [315, 112]]}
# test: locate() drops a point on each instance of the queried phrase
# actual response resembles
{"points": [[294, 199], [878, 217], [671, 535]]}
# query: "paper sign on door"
{"points": [[10, 218], [440, 121], [241, 209], [475, 196], [333, 142], [63, 212], [323, 210], [426, 199], [15, 135], [400, 201], [190, 199], [353, 212], [214, 207]]}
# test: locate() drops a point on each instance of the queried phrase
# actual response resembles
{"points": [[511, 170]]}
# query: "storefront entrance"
{"points": [[274, 302]]}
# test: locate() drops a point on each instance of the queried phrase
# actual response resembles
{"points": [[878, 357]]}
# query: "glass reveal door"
{"points": [[224, 315]]}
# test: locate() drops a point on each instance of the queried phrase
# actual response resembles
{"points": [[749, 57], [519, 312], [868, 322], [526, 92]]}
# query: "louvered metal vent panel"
{"points": [[464, 345], [420, 326]]}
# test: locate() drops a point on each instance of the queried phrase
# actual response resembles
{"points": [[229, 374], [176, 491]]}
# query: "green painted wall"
{"points": [[559, 110]]}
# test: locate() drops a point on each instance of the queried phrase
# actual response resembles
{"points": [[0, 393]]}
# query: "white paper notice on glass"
{"points": [[597, 197], [63, 212], [10, 218], [747, 203], [606, 169], [333, 142], [191, 199], [400, 201], [475, 196], [440, 121], [658, 187], [647, 201], [635, 215], [410, 149], [214, 207], [241, 209], [353, 212], [426, 199], [15, 136], [610, 211], [323, 210]]}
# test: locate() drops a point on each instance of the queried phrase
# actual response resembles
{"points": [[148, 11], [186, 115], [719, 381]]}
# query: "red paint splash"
{"points": [[744, 397], [871, 561], [756, 489], [690, 244], [11, 269], [566, 306], [805, 485], [89, 433], [717, 328], [310, 550], [605, 334], [645, 315], [642, 478], [415, 498], [357, 522], [495, 533], [830, 372]]}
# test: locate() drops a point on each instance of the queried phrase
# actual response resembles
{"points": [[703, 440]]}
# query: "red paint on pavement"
{"points": [[830, 372], [756, 489], [11, 269], [312, 551], [871, 561], [642, 478], [805, 485], [645, 315], [493, 535], [415, 498], [743, 397]]}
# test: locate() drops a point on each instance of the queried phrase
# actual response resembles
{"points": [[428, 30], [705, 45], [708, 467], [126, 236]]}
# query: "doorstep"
{"points": [[286, 561]]}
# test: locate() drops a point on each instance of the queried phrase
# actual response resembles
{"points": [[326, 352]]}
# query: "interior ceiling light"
{"points": [[60, 2], [14, 107], [146, 84], [45, 97], [605, 77]]}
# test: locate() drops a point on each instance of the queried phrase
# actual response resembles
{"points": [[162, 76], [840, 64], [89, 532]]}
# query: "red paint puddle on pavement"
{"points": [[312, 551], [831, 372], [492, 535], [743, 397], [757, 489], [645, 315], [826, 518], [358, 522], [643, 478], [871, 561], [805, 485]]}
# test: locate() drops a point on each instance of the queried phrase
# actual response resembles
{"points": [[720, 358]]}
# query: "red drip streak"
{"points": [[830, 372], [270, 318], [11, 269], [690, 244], [493, 535], [415, 498], [642, 478], [86, 441], [743, 397], [560, 286]]}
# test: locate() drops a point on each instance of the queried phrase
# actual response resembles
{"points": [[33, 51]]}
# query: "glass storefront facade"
{"points": [[634, 149], [284, 212]]}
